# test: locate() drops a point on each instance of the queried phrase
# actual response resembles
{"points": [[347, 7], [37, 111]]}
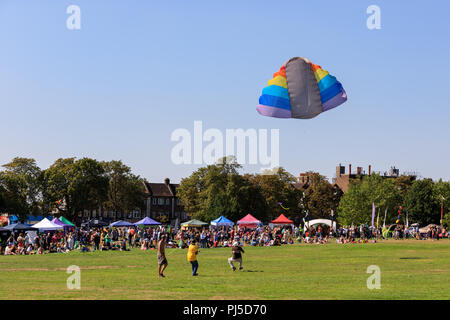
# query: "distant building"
{"points": [[304, 180], [162, 201], [342, 180]]}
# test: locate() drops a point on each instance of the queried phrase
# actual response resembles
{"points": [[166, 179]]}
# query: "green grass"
{"points": [[409, 270]]}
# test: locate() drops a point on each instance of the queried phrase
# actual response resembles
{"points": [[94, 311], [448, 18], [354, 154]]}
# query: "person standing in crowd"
{"points": [[162, 261], [203, 239], [96, 241], [236, 256], [192, 257]]}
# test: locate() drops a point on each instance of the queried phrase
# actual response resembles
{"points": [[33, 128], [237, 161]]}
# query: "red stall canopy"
{"points": [[282, 220], [249, 221]]}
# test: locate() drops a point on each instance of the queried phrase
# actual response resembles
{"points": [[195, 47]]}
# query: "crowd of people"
{"points": [[146, 238]]}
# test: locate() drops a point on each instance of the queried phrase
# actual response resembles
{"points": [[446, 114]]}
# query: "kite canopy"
{"points": [[147, 222], [222, 221], [301, 90]]}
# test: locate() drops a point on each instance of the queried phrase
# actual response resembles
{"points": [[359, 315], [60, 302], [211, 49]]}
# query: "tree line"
{"points": [[219, 189], [420, 200], [70, 185], [73, 185]]}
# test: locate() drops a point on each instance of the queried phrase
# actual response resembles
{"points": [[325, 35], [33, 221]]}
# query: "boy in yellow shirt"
{"points": [[192, 257]]}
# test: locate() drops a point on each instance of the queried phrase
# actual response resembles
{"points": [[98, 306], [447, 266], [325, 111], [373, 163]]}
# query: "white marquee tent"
{"points": [[47, 225]]}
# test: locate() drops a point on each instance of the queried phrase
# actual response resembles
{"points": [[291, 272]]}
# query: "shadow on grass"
{"points": [[410, 258], [252, 271]]}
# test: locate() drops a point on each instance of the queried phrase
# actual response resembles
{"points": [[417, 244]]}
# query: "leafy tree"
{"points": [[125, 190], [218, 190], [403, 184], [356, 205], [277, 187], [421, 203], [441, 190], [321, 197], [446, 220], [76, 184], [21, 187], [89, 185], [57, 185], [353, 206]]}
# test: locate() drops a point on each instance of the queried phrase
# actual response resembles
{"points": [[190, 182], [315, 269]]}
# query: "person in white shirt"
{"points": [[9, 250]]}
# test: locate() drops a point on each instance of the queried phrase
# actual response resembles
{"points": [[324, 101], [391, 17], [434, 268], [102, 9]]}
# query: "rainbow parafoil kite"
{"points": [[301, 90]]}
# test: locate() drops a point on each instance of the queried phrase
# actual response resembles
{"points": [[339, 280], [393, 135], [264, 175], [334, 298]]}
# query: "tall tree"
{"points": [[321, 197], [56, 186], [21, 185], [422, 204], [218, 190], [125, 190], [356, 205], [76, 184], [277, 187]]}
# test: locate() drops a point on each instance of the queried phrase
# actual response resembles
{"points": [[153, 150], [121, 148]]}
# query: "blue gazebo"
{"points": [[222, 221]]}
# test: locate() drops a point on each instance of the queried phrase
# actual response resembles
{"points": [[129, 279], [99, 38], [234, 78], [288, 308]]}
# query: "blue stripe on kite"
{"points": [[273, 101], [331, 92], [326, 82], [276, 91]]}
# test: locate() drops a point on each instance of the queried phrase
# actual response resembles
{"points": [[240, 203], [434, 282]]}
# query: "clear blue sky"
{"points": [[137, 70]]}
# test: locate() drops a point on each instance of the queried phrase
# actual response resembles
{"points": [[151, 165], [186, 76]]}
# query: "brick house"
{"points": [[162, 201], [343, 179]]}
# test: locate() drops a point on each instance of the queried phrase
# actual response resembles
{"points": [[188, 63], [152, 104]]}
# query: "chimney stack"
{"points": [[358, 170], [370, 167], [349, 169], [167, 181]]}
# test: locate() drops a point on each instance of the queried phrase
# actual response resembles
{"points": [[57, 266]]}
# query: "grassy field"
{"points": [[410, 269]]}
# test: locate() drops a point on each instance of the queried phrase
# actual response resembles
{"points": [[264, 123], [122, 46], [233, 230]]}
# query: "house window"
{"points": [[167, 201], [178, 201], [154, 201], [160, 201]]}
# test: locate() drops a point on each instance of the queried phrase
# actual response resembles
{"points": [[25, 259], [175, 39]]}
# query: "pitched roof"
{"points": [[161, 189], [248, 219], [283, 220]]}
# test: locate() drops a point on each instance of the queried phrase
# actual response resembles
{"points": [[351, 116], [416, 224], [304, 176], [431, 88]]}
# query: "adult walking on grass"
{"points": [[192, 257], [162, 261], [236, 255]]}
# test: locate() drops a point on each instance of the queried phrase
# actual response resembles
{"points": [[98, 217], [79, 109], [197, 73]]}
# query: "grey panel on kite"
{"points": [[301, 90]]}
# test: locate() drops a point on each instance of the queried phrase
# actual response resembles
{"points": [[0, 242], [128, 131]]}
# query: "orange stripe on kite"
{"points": [[281, 72], [315, 67]]}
